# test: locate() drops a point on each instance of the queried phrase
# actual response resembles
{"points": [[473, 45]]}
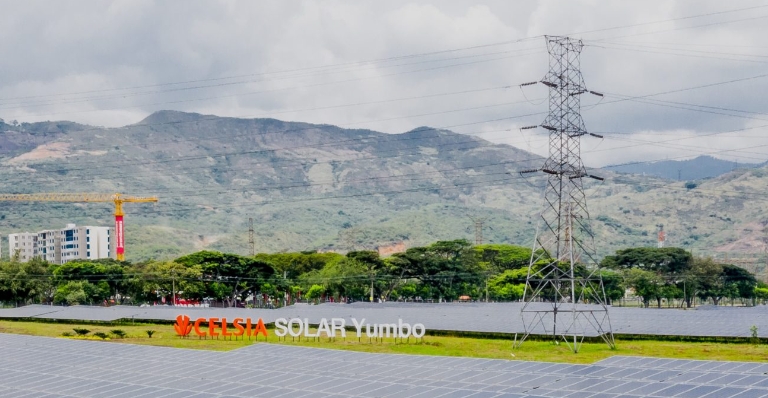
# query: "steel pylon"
{"points": [[564, 292]]}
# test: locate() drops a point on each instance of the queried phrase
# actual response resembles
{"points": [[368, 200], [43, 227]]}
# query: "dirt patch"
{"points": [[53, 150]]}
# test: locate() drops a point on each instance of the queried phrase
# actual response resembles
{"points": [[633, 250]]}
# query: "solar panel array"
{"points": [[473, 317], [49, 367]]}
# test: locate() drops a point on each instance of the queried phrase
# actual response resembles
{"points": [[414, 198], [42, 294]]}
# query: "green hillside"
{"points": [[310, 187]]}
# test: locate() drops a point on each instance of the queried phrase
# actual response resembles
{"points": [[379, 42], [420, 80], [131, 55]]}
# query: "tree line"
{"points": [[442, 271]]}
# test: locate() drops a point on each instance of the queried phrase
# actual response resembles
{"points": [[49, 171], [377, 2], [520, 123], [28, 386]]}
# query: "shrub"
{"points": [[150, 333], [81, 331], [66, 334], [119, 333], [753, 331], [101, 335]]}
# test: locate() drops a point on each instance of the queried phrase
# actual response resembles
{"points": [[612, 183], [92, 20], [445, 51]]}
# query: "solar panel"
{"points": [[477, 317], [76, 368]]}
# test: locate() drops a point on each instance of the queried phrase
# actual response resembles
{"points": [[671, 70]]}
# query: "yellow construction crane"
{"points": [[116, 198]]}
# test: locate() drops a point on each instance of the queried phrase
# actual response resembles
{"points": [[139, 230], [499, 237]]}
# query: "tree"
{"points": [[21, 283], [344, 277], [102, 278], [315, 292], [500, 257], [71, 293], [394, 271], [738, 282], [154, 279], [645, 284], [291, 265], [703, 280], [613, 283], [372, 264], [666, 260], [229, 276], [509, 285], [761, 292], [447, 268]]}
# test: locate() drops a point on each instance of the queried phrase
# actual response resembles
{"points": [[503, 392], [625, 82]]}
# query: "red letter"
{"points": [[224, 328], [197, 326], [248, 326], [260, 328], [237, 323], [212, 326]]}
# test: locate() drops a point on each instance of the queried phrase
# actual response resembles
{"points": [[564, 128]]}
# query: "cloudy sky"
{"points": [[680, 78]]}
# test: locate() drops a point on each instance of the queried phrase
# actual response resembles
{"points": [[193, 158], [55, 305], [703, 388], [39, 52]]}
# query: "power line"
{"points": [[377, 60], [731, 81], [305, 86]]}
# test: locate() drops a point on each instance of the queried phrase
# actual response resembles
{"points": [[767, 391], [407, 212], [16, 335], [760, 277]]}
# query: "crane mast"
{"points": [[116, 198]]}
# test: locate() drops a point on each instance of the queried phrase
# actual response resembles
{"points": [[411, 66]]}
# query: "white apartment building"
{"points": [[58, 246], [25, 244]]}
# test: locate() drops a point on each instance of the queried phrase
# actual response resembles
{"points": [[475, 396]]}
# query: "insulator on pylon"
{"points": [[579, 175], [548, 84], [578, 92], [596, 135], [596, 177], [528, 84], [550, 171], [529, 171], [595, 93], [528, 127]]}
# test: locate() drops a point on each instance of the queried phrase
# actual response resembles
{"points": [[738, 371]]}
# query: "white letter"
{"points": [[400, 326], [323, 328], [307, 333], [368, 331], [280, 327], [359, 327], [388, 328], [295, 321], [338, 324], [416, 334]]}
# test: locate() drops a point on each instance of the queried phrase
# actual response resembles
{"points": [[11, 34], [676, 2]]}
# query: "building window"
{"points": [[88, 254], [88, 246]]}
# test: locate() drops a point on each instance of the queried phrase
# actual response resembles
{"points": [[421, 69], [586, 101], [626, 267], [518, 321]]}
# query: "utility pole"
{"points": [[557, 284], [251, 242]]}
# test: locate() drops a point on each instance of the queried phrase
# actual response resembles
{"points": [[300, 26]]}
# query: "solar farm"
{"points": [[49, 367], [497, 318]]}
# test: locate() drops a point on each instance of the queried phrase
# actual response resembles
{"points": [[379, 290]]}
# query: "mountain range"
{"points": [[322, 187], [683, 170]]}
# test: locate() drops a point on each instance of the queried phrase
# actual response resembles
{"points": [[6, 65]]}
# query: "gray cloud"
{"points": [[258, 53]]}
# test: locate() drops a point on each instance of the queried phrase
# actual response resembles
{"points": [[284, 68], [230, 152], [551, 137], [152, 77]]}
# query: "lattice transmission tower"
{"points": [[478, 224], [564, 295], [251, 241]]}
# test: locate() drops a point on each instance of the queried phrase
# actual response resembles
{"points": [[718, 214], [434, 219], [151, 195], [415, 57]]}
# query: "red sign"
{"points": [[184, 326], [120, 242]]}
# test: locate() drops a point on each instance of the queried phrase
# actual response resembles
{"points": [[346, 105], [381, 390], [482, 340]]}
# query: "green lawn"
{"points": [[431, 345]]}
